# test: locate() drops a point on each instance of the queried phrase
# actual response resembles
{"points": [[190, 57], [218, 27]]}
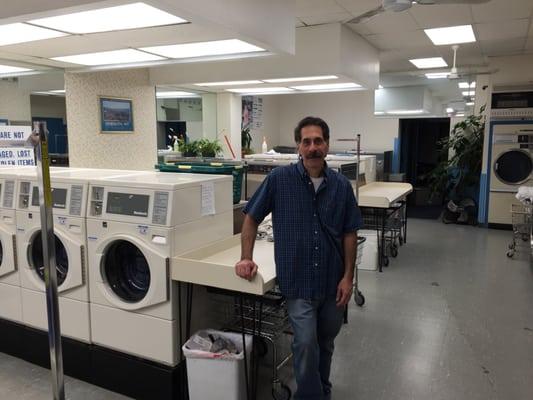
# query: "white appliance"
{"points": [[133, 230], [512, 167], [69, 200]]}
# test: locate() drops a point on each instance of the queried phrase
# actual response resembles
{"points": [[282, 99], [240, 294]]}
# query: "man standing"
{"points": [[315, 220]]}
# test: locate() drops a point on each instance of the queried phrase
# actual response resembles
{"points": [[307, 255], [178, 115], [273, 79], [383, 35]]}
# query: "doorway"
{"points": [[419, 155]]}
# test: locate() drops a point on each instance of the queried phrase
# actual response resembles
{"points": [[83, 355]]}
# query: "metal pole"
{"points": [[358, 140], [49, 259]]}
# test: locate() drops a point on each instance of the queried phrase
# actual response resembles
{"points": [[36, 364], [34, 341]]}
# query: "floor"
{"points": [[450, 319]]}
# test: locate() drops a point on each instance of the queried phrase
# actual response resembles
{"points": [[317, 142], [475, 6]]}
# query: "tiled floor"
{"points": [[450, 319]]}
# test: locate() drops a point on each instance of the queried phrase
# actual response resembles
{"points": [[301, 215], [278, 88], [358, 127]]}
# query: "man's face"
{"points": [[313, 148]]}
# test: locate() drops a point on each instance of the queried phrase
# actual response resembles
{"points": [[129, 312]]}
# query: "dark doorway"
{"points": [[419, 155]]}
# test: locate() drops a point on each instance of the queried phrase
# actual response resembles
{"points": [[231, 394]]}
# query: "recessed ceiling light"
{"points": [[451, 35], [437, 75], [58, 91], [469, 93], [21, 33], [432, 62], [379, 112], [175, 94], [229, 83], [460, 115], [7, 69], [302, 79], [380, 87], [406, 112], [123, 56], [128, 16], [328, 86], [261, 90], [466, 85], [470, 103], [201, 49], [449, 110]]}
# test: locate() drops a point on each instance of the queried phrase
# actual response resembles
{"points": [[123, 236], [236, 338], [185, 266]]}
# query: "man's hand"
{"points": [[344, 292], [246, 269]]}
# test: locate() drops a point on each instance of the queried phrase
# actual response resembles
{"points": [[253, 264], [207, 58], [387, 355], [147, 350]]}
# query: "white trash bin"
{"points": [[369, 259], [213, 376]]}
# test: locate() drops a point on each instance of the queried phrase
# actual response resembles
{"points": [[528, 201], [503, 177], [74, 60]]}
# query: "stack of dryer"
{"points": [[134, 228]]}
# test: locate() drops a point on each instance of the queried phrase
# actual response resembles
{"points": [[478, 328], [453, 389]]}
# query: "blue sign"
{"points": [[116, 115]]}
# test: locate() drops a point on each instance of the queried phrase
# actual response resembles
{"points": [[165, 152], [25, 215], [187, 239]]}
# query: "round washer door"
{"points": [[36, 258], [513, 167], [126, 271], [1, 254]]}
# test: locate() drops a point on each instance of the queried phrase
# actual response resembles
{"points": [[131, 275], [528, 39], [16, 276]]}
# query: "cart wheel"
{"points": [[261, 347], [280, 391], [401, 241], [510, 253], [394, 251], [386, 261], [359, 298]]}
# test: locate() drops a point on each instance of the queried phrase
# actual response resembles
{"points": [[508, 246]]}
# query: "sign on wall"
{"points": [[252, 112], [15, 156]]}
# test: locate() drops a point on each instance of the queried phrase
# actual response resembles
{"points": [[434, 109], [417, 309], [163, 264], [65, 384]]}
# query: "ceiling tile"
{"points": [[357, 7], [306, 8], [501, 30], [503, 47], [433, 16], [326, 18], [389, 22], [399, 41], [395, 65], [497, 10], [360, 29]]}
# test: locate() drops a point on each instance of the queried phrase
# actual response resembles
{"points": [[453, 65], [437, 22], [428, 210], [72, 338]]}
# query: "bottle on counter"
{"points": [[264, 146]]}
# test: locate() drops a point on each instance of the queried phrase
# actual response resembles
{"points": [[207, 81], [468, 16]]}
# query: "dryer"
{"points": [[133, 230], [69, 200], [512, 167]]}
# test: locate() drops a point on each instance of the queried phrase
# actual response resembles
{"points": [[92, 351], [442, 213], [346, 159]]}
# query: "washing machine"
{"points": [[69, 201], [133, 230], [512, 167]]}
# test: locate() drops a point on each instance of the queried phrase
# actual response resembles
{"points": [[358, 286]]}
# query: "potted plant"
{"points": [[246, 141], [457, 176], [189, 149], [209, 148]]}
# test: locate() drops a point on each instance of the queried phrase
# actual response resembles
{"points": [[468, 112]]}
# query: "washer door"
{"points": [[7, 259], [36, 258], [513, 167], [126, 270]]}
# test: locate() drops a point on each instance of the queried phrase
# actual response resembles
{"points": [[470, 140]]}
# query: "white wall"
{"points": [[270, 128], [346, 113], [90, 148], [14, 102], [49, 106]]}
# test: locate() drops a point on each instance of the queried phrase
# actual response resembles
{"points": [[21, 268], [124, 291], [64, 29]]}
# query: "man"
{"points": [[315, 219]]}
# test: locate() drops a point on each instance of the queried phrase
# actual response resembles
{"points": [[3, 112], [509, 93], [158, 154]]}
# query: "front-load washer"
{"points": [[69, 201], [133, 230], [512, 167]]}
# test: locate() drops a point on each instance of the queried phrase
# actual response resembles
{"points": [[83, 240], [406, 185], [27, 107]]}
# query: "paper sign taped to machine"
{"points": [[14, 133], [16, 156], [208, 198]]}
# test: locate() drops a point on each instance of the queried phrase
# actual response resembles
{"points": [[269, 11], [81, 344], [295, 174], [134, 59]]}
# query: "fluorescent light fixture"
{"points": [[470, 103], [451, 35], [58, 91], [465, 85], [175, 94], [128, 16], [460, 115], [8, 69], [380, 87], [21, 33], [302, 79], [51, 93], [432, 62], [123, 56], [229, 83], [379, 112], [437, 75], [202, 49], [449, 110], [261, 90], [469, 93], [405, 112], [328, 86]]}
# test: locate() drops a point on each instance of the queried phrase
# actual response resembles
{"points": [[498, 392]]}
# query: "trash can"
{"points": [[215, 376]]}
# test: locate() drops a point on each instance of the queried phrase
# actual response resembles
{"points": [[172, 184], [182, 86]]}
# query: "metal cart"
{"points": [[522, 219]]}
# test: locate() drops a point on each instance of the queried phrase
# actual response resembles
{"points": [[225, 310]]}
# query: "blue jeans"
{"points": [[315, 324]]}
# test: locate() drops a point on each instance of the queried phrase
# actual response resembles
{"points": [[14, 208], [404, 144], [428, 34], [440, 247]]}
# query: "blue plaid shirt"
{"points": [[308, 228]]}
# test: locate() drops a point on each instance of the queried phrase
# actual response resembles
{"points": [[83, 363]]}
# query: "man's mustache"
{"points": [[315, 154]]}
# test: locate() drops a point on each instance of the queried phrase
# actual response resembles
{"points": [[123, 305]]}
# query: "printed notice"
{"points": [[208, 198], [11, 136]]}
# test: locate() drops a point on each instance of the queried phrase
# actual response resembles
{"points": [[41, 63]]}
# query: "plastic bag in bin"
{"points": [[214, 344]]}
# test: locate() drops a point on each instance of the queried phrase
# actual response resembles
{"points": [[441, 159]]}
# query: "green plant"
{"points": [[246, 141], [189, 149], [461, 155], [209, 148]]}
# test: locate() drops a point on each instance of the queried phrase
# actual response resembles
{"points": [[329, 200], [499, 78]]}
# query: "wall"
{"points": [[346, 113], [270, 128], [14, 102], [48, 106], [90, 148]]}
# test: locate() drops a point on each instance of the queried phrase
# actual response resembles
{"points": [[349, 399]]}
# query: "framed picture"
{"points": [[116, 115]]}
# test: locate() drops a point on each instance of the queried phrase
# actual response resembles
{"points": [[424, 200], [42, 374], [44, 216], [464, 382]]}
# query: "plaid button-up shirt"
{"points": [[308, 228]]}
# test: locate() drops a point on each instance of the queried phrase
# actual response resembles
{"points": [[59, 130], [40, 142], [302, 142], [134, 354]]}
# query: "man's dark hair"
{"points": [[308, 121]]}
